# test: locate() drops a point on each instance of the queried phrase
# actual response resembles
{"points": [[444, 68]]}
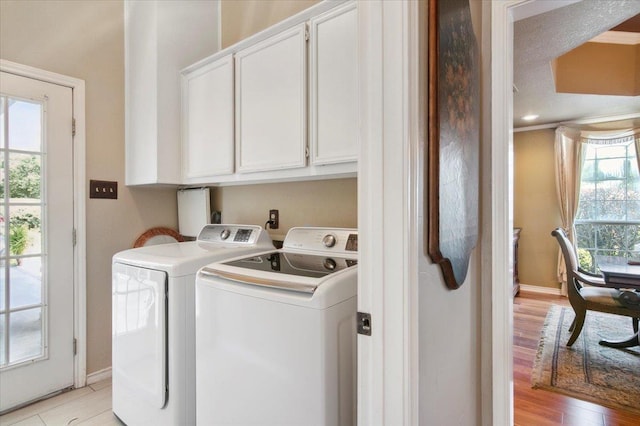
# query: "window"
{"points": [[22, 301], [608, 218]]}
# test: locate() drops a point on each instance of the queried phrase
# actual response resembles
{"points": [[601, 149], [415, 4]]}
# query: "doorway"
{"points": [[37, 255]]}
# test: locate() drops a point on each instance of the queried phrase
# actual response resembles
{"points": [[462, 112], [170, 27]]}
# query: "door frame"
{"points": [[500, 353], [79, 216], [388, 166], [503, 14]]}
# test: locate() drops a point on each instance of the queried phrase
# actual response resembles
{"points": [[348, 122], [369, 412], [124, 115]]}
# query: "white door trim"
{"points": [[79, 217], [497, 276], [387, 211], [501, 24]]}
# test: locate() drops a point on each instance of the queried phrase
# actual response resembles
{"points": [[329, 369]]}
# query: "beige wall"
{"points": [[316, 203], [589, 69], [536, 207], [86, 40], [241, 19], [331, 203]]}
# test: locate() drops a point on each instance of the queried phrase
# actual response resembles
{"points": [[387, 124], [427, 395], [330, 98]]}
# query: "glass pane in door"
{"points": [[2, 285], [2, 120], [25, 230], [25, 125], [26, 283], [24, 177], [25, 335], [3, 353]]}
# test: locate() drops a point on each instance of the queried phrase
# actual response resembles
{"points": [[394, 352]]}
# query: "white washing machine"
{"points": [[153, 329], [276, 334]]}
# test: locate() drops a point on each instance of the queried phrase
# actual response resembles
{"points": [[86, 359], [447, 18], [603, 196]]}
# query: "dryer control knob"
{"points": [[225, 234], [329, 240]]}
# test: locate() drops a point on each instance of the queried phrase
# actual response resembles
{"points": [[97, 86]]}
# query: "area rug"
{"points": [[588, 371]]}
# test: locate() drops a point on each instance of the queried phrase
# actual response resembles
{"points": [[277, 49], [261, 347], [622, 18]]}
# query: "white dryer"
{"points": [[276, 334], [153, 322]]}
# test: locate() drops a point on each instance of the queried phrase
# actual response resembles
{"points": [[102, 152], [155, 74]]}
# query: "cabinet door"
{"points": [[271, 103], [161, 38], [208, 143], [334, 86]]}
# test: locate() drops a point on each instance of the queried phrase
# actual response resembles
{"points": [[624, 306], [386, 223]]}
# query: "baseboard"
{"points": [[98, 376], [540, 290]]}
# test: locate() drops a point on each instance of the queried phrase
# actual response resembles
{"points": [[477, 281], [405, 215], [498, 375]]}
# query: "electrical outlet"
{"points": [[274, 219], [103, 189]]}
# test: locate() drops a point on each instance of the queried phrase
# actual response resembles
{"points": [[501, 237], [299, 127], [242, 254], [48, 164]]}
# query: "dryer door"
{"points": [[139, 332]]}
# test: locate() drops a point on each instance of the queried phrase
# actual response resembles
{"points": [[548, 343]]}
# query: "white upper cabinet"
{"points": [[161, 38], [271, 103], [208, 120], [333, 86], [255, 112]]}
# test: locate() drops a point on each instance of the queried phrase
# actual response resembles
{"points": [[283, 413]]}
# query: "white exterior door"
{"points": [[36, 244]]}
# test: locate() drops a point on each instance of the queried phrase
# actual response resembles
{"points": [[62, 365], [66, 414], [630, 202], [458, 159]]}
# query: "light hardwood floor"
{"points": [[86, 406], [538, 407], [533, 407]]}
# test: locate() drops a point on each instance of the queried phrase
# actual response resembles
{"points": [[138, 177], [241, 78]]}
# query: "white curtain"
{"points": [[568, 147], [613, 137], [568, 156]]}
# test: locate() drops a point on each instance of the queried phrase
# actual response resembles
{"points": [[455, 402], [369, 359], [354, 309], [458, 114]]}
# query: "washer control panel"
{"points": [[334, 240]]}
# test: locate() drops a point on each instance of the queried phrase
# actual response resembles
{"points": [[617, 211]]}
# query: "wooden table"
{"points": [[619, 274]]}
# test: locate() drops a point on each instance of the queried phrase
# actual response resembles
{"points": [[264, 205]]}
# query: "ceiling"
{"points": [[541, 38]]}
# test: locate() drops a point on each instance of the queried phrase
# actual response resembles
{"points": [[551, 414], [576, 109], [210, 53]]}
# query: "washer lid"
{"points": [[179, 259], [293, 271], [298, 264], [215, 243]]}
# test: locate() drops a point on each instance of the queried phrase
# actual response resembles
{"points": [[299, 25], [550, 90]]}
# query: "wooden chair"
{"points": [[588, 292]]}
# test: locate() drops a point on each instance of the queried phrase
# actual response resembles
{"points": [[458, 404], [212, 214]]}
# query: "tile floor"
{"points": [[90, 405]]}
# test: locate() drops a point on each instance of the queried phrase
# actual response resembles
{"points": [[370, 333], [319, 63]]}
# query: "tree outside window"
{"points": [[608, 219], [24, 176]]}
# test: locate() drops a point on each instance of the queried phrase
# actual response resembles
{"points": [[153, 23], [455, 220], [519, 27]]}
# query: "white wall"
{"points": [[85, 39]]}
